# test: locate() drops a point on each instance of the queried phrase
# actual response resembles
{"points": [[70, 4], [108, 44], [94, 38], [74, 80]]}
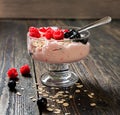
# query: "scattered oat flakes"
{"points": [[70, 96], [57, 111], [59, 92], [22, 88], [50, 96], [79, 86], [49, 99], [90, 96], [48, 104], [53, 97], [56, 88], [31, 97], [17, 82], [92, 104], [65, 104], [60, 101], [40, 88], [85, 90], [34, 99], [57, 100], [43, 90], [47, 92], [66, 91], [77, 83], [57, 95], [63, 99], [67, 113], [45, 95], [33, 86], [43, 86], [40, 92], [52, 105], [65, 95], [77, 91], [50, 109], [18, 93], [52, 88]]}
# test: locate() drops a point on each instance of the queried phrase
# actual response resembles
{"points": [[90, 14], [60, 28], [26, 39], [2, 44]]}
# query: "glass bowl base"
{"points": [[59, 79]]}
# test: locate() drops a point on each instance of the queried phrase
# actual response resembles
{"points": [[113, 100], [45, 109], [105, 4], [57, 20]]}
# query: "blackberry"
{"points": [[70, 33], [77, 35], [42, 104], [12, 84], [84, 40], [66, 35]]}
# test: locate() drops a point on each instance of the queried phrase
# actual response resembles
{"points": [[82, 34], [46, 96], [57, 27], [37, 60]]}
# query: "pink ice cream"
{"points": [[56, 51]]}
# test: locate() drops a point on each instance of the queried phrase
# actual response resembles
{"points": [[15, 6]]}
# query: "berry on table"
{"points": [[12, 85], [25, 69], [12, 73], [42, 104]]}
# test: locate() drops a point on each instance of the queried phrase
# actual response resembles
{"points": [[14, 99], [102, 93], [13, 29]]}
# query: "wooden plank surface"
{"points": [[99, 73], [79, 9], [14, 54]]}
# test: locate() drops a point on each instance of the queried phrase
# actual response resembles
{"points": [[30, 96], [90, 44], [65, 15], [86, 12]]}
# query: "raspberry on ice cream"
{"points": [[34, 32]]}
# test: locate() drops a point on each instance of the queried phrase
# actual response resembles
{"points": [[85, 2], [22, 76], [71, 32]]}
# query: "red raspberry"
{"points": [[32, 29], [12, 73], [49, 33], [34, 32], [43, 29], [58, 34], [65, 30], [25, 69]]}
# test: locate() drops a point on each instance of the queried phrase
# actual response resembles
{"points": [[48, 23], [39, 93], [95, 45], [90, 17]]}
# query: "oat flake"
{"points": [[90, 96], [57, 111], [50, 109], [92, 104], [77, 91], [18, 93], [34, 99], [65, 104]]}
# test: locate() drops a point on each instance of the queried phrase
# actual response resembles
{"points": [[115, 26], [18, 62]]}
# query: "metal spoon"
{"points": [[102, 21]]}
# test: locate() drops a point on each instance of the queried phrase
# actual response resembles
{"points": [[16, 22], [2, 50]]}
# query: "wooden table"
{"points": [[98, 89]]}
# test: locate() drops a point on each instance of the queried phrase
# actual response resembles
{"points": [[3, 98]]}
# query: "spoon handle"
{"points": [[102, 21]]}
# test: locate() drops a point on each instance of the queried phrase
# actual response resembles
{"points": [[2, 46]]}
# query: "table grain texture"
{"points": [[98, 89]]}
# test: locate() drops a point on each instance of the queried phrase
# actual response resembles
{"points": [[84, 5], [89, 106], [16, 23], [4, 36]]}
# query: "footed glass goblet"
{"points": [[65, 47], [59, 75]]}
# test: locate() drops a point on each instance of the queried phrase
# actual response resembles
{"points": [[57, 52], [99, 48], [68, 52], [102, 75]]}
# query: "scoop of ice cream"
{"points": [[57, 51]]}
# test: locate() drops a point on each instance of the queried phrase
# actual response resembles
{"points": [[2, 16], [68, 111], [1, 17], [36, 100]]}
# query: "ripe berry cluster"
{"points": [[47, 32], [57, 34], [75, 36], [24, 70], [12, 75]]}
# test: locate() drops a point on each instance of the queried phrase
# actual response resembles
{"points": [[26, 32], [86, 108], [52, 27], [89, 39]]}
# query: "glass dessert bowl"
{"points": [[57, 48]]}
